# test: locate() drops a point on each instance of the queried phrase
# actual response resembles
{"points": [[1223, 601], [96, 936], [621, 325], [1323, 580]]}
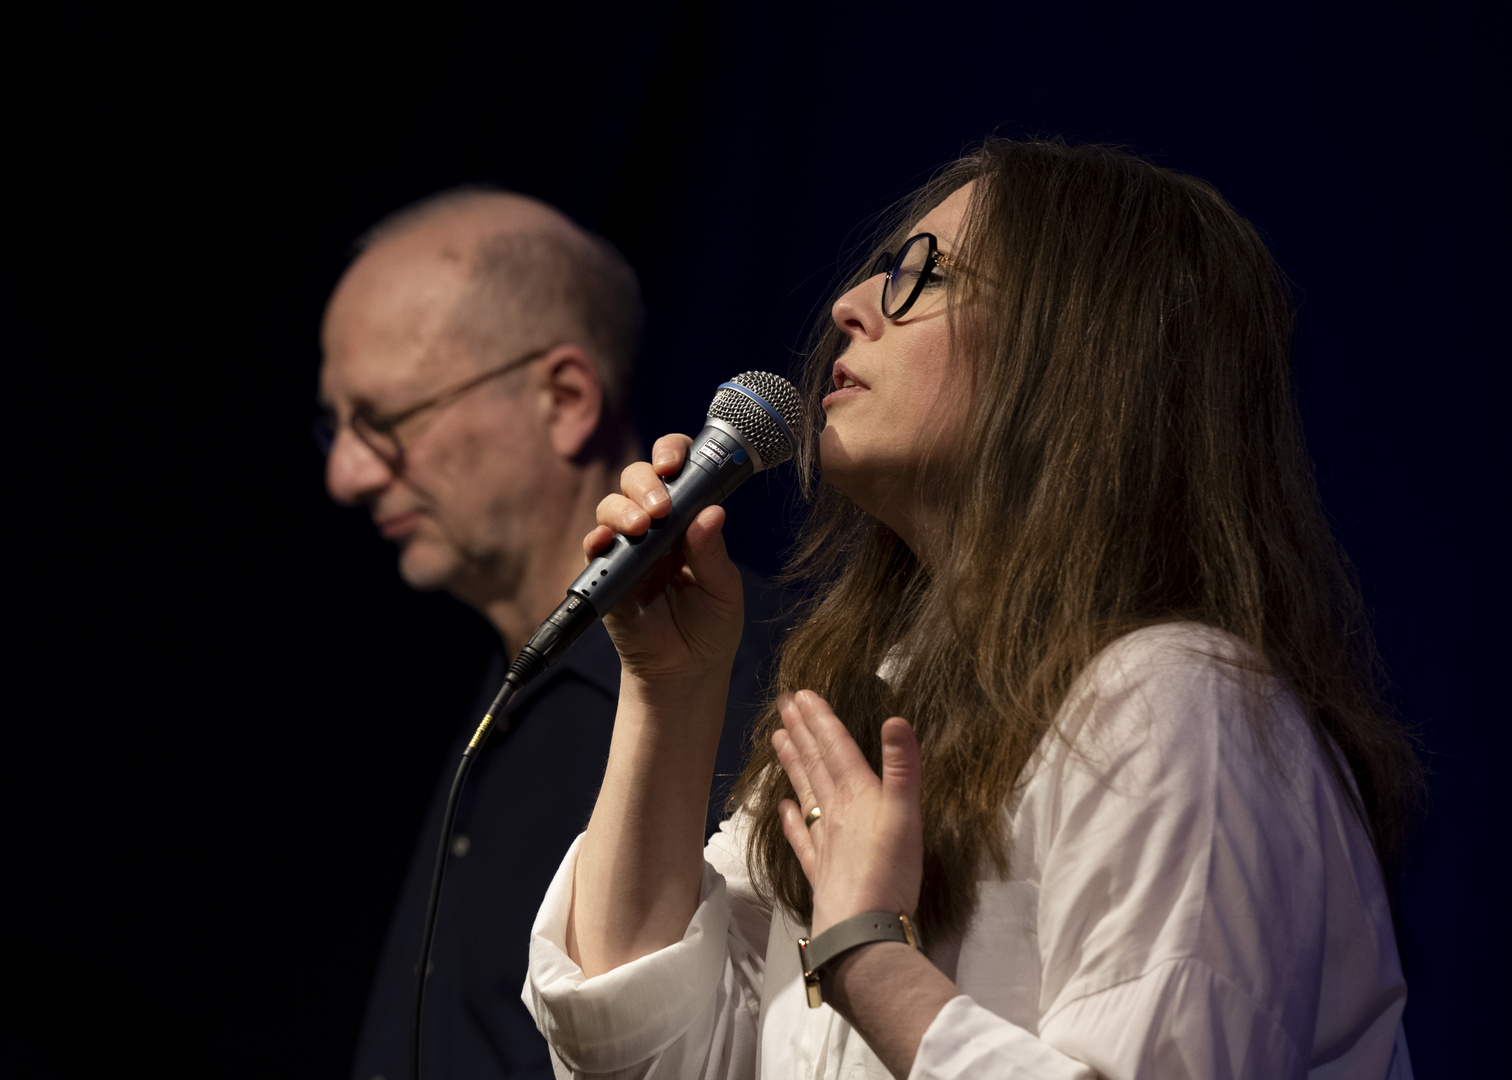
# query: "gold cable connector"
{"points": [[511, 684], [480, 734]]}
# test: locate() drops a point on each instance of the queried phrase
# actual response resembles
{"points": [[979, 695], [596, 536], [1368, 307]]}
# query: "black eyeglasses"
{"points": [[910, 272], [380, 434]]}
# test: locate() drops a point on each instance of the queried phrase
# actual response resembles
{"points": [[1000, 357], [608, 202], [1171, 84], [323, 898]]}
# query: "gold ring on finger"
{"points": [[811, 817]]}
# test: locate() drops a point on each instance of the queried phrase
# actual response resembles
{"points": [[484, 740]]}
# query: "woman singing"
{"points": [[1077, 767]]}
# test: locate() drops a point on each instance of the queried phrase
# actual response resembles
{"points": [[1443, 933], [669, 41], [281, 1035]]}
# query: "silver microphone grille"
{"points": [[765, 409]]}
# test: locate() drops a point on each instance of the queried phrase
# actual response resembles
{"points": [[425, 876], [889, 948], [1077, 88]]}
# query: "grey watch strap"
{"points": [[852, 933]]}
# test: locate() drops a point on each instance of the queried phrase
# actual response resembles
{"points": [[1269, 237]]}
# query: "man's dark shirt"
{"points": [[530, 793]]}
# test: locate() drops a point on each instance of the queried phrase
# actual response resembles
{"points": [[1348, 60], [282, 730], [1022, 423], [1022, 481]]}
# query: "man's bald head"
{"points": [[474, 359], [533, 278]]}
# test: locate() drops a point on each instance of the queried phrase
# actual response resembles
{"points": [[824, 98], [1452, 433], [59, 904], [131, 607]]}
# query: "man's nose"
{"points": [[354, 474]]}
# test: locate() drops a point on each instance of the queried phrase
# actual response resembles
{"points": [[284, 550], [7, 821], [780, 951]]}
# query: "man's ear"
{"points": [[573, 395]]}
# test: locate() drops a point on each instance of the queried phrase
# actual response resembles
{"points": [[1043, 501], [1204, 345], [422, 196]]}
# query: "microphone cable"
{"points": [[552, 638], [448, 820]]}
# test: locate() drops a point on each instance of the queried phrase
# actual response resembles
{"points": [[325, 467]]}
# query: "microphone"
{"points": [[749, 429]]}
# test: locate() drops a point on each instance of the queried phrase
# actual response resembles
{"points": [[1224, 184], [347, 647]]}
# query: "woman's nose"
{"points": [[858, 313]]}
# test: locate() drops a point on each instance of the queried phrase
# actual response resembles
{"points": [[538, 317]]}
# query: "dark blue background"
{"points": [[230, 712]]}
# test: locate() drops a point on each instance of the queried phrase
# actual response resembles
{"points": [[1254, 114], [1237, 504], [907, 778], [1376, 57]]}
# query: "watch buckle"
{"points": [[810, 978], [811, 989]]}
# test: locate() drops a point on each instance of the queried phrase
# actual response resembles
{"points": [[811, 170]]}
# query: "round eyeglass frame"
{"points": [[892, 265]]}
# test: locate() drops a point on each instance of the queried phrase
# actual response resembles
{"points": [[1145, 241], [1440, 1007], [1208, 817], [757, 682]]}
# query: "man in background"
{"points": [[476, 356]]}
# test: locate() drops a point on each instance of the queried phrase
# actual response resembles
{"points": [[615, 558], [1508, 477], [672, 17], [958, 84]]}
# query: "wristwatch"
{"points": [[864, 929]]}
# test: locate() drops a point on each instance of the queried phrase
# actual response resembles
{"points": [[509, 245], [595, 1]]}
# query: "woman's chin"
{"points": [[851, 463], [837, 460]]}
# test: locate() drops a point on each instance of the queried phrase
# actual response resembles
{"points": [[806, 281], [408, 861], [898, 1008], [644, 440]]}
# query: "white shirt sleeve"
{"points": [[688, 1011], [1207, 905]]}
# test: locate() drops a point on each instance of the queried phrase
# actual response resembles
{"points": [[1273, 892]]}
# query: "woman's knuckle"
{"points": [[831, 742]]}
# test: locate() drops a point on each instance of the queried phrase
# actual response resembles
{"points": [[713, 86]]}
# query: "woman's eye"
{"points": [[935, 279]]}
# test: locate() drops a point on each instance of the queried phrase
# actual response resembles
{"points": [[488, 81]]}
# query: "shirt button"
{"points": [[461, 845]]}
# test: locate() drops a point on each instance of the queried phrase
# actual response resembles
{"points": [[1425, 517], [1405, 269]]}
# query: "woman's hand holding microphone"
{"points": [[682, 622]]}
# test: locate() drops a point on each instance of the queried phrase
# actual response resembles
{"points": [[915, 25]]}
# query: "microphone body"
{"points": [[716, 465], [749, 429]]}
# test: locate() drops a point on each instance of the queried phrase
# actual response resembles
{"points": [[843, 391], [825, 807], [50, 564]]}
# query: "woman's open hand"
{"points": [[683, 620], [866, 850]]}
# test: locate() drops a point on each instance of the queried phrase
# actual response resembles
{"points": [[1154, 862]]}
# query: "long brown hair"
{"points": [[1135, 457]]}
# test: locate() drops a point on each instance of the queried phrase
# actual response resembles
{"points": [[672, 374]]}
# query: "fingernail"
{"points": [[655, 498], [663, 457]]}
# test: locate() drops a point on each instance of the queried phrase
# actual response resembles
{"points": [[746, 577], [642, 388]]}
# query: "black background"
{"points": [[229, 712]]}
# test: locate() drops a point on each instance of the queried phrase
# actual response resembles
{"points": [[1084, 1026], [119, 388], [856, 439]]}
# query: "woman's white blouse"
{"points": [[1183, 900]]}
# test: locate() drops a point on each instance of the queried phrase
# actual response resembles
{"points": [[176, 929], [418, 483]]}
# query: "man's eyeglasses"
{"points": [[909, 272], [380, 434]]}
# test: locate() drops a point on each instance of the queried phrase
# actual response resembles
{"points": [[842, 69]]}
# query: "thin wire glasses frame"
{"points": [[897, 269], [380, 433]]}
